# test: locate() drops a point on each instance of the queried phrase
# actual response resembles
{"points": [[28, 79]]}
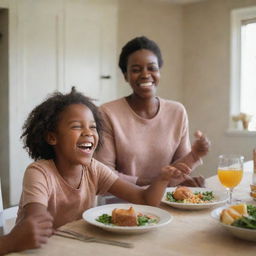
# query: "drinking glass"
{"points": [[230, 172]]}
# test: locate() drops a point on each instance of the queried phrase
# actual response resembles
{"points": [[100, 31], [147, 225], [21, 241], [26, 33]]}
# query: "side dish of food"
{"points": [[129, 217], [239, 220], [242, 215], [186, 195]]}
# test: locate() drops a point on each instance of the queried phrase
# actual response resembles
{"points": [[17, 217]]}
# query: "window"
{"points": [[243, 69]]}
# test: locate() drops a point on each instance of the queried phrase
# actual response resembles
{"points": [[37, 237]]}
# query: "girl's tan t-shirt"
{"points": [[43, 184]]}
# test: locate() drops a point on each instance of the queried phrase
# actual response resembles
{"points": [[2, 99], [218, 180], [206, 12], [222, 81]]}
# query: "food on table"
{"points": [[228, 216], [122, 217], [253, 194], [182, 193], [127, 217], [241, 215], [186, 195], [253, 190], [241, 208]]}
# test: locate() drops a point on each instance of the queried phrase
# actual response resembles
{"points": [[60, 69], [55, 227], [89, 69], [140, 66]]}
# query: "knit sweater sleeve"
{"points": [[183, 153], [107, 152]]}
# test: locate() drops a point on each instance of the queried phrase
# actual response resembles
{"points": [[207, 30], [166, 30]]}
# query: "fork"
{"points": [[86, 238]]}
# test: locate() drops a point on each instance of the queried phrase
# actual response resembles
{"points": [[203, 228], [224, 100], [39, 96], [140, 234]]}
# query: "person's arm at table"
{"points": [[29, 233], [153, 194], [199, 149]]}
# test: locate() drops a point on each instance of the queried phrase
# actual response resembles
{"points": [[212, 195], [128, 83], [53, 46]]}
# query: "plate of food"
{"points": [[189, 198], [239, 220], [127, 218]]}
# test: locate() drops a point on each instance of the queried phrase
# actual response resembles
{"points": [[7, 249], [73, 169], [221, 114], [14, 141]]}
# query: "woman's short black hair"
{"points": [[44, 118], [138, 43]]}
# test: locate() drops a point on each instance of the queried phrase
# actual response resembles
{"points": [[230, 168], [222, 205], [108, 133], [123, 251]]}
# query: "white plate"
{"points": [[243, 233], [220, 198], [92, 214]]}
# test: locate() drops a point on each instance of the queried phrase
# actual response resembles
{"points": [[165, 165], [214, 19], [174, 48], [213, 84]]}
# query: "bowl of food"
{"points": [[239, 220]]}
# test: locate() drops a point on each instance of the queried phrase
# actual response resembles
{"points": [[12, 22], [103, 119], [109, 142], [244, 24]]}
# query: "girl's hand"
{"points": [[30, 233], [174, 170], [201, 146], [141, 181], [173, 175]]}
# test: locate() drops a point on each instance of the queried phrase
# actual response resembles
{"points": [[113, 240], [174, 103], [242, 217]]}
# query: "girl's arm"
{"points": [[150, 196], [34, 209], [29, 233]]}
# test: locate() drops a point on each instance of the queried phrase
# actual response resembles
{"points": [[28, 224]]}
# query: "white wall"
{"points": [[163, 23], [207, 77], [195, 42]]}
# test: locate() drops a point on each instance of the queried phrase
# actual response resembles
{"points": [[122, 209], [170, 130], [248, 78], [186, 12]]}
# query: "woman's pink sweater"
{"points": [[134, 146]]}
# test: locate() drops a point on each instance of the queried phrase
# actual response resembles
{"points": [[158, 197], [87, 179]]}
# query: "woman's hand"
{"points": [[201, 146], [197, 181]]}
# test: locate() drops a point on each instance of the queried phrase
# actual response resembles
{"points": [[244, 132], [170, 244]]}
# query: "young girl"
{"points": [[61, 135]]}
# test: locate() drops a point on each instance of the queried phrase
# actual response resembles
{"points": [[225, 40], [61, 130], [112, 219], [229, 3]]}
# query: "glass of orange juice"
{"points": [[230, 172]]}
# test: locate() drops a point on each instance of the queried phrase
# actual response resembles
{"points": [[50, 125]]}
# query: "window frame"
{"points": [[237, 16]]}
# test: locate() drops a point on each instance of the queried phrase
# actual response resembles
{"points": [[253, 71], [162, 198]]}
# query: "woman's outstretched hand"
{"points": [[201, 145], [197, 181]]}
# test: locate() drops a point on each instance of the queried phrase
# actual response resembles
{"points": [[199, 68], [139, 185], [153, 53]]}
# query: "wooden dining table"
{"points": [[191, 232]]}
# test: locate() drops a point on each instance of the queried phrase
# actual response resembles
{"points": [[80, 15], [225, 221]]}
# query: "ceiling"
{"points": [[181, 1]]}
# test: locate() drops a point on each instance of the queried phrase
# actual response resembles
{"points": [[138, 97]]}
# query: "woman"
{"points": [[145, 132]]}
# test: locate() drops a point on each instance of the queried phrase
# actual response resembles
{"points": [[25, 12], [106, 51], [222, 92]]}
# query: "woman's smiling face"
{"points": [[143, 73], [76, 136]]}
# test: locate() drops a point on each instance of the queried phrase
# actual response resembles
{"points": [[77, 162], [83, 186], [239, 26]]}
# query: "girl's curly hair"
{"points": [[44, 118]]}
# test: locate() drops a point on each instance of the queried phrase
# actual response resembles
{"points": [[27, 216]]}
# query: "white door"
{"points": [[90, 47], [35, 67], [58, 44]]}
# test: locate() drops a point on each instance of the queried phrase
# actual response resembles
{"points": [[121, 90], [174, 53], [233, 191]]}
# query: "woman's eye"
{"points": [[153, 68], [93, 127], [135, 70]]}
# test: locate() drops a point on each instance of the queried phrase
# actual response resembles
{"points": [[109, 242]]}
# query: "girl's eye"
{"points": [[76, 127], [94, 127]]}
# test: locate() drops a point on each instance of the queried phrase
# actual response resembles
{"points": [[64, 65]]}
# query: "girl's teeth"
{"points": [[86, 144], [146, 84]]}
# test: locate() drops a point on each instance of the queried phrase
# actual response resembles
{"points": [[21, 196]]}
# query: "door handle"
{"points": [[105, 77]]}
